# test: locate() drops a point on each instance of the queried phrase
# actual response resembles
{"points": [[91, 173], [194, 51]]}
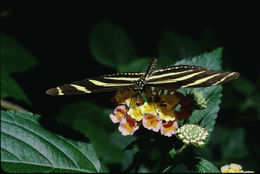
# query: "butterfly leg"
{"points": [[138, 100], [130, 102]]}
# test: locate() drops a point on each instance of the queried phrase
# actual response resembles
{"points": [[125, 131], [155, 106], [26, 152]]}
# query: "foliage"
{"points": [[204, 166], [13, 55], [110, 45], [27, 146], [95, 124], [206, 117]]}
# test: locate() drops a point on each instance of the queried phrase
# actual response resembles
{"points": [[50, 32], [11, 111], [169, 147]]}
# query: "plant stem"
{"points": [[11, 106]]}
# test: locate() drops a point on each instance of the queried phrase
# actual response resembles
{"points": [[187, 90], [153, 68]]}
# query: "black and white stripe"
{"points": [[181, 76]]}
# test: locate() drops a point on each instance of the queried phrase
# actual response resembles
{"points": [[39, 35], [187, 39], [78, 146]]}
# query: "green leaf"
{"points": [[9, 88], [110, 45], [14, 57], [94, 122], [181, 168], [205, 166], [211, 60], [205, 117], [28, 148]]}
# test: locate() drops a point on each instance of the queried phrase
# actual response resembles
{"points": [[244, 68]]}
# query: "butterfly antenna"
{"points": [[150, 68]]}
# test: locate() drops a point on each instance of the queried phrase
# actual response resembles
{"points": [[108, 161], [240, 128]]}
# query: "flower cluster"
{"points": [[233, 168], [156, 110], [192, 134]]}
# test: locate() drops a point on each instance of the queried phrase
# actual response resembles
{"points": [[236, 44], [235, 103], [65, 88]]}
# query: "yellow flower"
{"points": [[166, 114], [134, 109], [148, 108], [136, 113], [233, 168]]}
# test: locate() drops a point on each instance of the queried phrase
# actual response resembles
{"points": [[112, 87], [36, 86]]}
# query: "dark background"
{"points": [[57, 34]]}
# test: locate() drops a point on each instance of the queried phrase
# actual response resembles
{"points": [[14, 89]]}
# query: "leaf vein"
{"points": [[11, 153], [26, 144], [40, 136]]}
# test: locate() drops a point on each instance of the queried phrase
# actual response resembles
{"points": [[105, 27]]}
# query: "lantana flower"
{"points": [[152, 122], [169, 128], [155, 110], [192, 134], [233, 168]]}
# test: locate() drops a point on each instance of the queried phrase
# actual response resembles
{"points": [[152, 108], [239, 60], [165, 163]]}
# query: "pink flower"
{"points": [[128, 125], [169, 128], [119, 112]]}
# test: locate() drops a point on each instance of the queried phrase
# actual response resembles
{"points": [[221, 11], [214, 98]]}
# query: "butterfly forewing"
{"points": [[110, 82], [184, 76]]}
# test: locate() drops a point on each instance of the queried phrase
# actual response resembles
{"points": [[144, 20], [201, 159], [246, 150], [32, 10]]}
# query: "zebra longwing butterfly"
{"points": [[181, 76]]}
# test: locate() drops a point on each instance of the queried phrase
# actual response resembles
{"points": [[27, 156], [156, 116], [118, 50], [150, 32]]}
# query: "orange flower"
{"points": [[121, 96]]}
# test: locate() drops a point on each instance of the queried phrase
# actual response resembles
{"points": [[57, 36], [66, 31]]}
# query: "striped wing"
{"points": [[110, 82], [184, 76], [181, 76]]}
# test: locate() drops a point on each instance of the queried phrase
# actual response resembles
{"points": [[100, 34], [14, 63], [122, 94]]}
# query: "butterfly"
{"points": [[181, 76]]}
